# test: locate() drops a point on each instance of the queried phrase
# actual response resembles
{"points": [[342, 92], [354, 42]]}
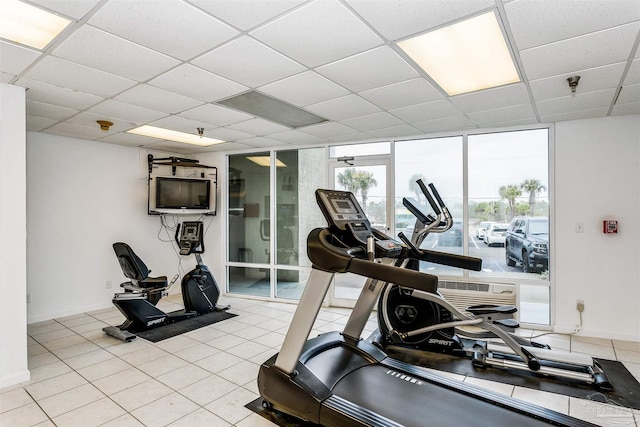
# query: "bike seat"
{"points": [[482, 309], [153, 282]]}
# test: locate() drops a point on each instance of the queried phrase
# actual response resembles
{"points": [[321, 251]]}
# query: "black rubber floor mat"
{"points": [[626, 391], [188, 325]]}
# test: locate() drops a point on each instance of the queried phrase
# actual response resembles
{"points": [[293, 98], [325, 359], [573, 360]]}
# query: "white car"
{"points": [[482, 228], [494, 235]]}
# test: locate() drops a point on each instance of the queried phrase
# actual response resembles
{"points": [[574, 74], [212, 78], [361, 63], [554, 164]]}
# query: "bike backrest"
{"points": [[132, 266]]}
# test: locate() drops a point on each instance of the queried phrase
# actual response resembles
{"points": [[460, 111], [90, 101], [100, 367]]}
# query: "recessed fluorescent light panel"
{"points": [[272, 109], [28, 25], [172, 135], [266, 161], [465, 57]]}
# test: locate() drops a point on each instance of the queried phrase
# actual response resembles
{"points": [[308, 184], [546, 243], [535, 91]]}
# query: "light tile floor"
{"points": [[81, 377]]}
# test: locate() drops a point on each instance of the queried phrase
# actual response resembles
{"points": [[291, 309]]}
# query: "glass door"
{"points": [[369, 182]]}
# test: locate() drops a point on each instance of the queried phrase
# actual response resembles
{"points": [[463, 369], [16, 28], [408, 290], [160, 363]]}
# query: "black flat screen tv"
{"points": [[182, 195]]}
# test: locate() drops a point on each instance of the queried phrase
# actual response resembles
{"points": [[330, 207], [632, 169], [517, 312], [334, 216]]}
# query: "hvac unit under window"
{"points": [[462, 294]]}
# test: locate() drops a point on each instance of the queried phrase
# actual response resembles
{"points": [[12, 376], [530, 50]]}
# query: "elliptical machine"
{"points": [[137, 303], [425, 321]]}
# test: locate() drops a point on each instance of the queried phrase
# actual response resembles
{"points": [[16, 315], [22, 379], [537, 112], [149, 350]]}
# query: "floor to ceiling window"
{"points": [[271, 211], [496, 186]]}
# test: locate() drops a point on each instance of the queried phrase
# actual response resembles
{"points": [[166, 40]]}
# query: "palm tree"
{"points": [[414, 187], [349, 180], [533, 187], [510, 193], [366, 181]]}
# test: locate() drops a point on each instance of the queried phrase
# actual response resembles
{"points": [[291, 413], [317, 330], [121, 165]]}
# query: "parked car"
{"points": [[482, 228], [527, 242], [453, 236], [494, 235]]}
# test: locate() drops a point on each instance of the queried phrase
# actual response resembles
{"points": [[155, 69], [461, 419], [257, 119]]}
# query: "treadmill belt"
{"points": [[390, 393]]}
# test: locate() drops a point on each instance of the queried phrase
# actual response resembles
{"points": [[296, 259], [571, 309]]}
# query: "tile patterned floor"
{"points": [[81, 377]]}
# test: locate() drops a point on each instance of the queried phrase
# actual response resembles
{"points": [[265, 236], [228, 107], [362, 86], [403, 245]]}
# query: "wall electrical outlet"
{"points": [[28, 298], [580, 305], [579, 227]]}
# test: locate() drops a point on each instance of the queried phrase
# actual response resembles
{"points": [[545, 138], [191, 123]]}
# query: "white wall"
{"points": [[13, 229], [82, 196], [597, 177]]}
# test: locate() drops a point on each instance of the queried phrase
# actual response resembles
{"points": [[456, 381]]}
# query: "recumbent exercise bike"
{"points": [[424, 321], [137, 303]]}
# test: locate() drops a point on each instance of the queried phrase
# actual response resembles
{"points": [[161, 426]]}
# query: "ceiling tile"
{"points": [[157, 99], [428, 110], [96, 49], [624, 109], [248, 62], [444, 125], [400, 18], [580, 53], [72, 8], [403, 94], [582, 101], [325, 31], [226, 134], [37, 124], [576, 115], [629, 94], [383, 65], [344, 107], [56, 95], [304, 89], [124, 111], [591, 80], [296, 137], [246, 14], [15, 59], [516, 112], [350, 137], [395, 132], [129, 139], [373, 121], [225, 146], [196, 83], [73, 130], [41, 109], [529, 30], [258, 127], [216, 114], [327, 130], [633, 75], [69, 75], [176, 28], [491, 99], [259, 141]]}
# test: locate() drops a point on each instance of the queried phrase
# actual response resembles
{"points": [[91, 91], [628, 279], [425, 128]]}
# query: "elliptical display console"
{"points": [[347, 219]]}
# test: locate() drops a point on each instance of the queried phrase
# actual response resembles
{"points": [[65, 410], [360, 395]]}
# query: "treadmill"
{"points": [[339, 379]]}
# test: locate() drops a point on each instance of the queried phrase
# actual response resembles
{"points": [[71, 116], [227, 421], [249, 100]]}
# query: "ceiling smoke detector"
{"points": [[573, 83], [104, 124]]}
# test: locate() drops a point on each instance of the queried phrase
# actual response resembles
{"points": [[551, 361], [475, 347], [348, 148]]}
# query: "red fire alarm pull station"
{"points": [[609, 226]]}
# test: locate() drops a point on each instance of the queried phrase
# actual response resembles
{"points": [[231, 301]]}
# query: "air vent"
{"points": [[272, 109]]}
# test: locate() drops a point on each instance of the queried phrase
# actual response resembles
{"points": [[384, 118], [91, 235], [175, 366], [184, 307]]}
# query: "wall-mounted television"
{"points": [[174, 195]]}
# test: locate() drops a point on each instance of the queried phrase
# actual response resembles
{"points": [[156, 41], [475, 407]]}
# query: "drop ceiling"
{"points": [[169, 63]]}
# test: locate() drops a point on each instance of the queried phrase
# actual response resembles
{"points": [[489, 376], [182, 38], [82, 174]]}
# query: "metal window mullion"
{"points": [[465, 199]]}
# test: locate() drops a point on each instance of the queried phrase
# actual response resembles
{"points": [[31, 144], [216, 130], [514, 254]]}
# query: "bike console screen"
{"points": [[190, 237], [342, 211]]}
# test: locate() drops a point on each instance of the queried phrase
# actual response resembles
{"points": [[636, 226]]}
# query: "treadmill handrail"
{"points": [[328, 257]]}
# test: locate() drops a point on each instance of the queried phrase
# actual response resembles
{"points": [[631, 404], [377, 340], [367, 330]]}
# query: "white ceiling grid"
{"points": [[167, 63]]}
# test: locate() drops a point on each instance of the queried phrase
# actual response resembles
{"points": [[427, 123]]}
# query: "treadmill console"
{"points": [[343, 212], [190, 238]]}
